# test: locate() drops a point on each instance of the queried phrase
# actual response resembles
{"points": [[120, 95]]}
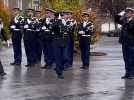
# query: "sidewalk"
{"points": [[102, 81]]}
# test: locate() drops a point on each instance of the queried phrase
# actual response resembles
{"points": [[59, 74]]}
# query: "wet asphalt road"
{"points": [[101, 82]]}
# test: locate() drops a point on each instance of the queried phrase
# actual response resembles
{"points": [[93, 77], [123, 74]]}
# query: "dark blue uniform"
{"points": [[30, 40], [16, 25], [127, 41], [85, 32], [70, 28], [38, 40], [59, 42], [47, 38]]}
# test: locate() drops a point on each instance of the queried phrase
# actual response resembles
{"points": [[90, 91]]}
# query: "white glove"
{"points": [[8, 43], [63, 21], [47, 21], [26, 26], [12, 26], [122, 13], [15, 20], [44, 28], [81, 32], [29, 21]]}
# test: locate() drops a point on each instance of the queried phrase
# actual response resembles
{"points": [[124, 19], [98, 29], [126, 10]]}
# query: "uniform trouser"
{"points": [[16, 40], [30, 47], [85, 50], [128, 55], [70, 49], [59, 52], [38, 47], [1, 68], [48, 51]]}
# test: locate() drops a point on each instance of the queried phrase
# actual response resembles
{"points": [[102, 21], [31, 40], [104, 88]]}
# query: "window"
{"points": [[36, 4]]}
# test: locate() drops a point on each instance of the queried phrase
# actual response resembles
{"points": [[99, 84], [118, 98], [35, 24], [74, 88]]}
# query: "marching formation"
{"points": [[52, 36]]}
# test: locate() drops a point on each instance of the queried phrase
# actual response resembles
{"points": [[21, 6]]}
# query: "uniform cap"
{"points": [[16, 8], [85, 14], [50, 10], [129, 10]]}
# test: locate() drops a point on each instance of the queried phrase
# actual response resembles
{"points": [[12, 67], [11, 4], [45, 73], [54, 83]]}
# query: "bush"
{"points": [[5, 15]]}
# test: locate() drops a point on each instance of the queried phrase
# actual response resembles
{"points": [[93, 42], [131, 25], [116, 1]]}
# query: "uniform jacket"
{"points": [[127, 31]]}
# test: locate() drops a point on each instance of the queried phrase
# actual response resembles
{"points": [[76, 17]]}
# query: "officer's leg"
{"points": [[16, 40], [84, 47], [67, 54], [26, 45], [38, 48], [29, 45], [86, 53], [125, 50], [33, 54], [1, 69], [50, 53], [47, 54], [71, 50], [71, 47], [58, 60], [65, 57], [131, 61]]}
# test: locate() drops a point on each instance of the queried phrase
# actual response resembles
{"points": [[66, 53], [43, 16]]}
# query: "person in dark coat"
{"points": [[59, 42], [2, 36], [126, 19]]}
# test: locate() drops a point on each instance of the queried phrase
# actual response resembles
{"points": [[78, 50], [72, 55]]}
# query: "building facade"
{"points": [[22, 4]]}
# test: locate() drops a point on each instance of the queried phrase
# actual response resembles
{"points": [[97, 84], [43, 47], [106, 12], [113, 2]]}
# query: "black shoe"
{"points": [[85, 67], [30, 65], [124, 77], [46, 67], [127, 77], [15, 64], [2, 74], [60, 76]]}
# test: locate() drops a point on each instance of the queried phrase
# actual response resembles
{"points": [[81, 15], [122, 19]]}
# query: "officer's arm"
{"points": [[130, 27], [119, 19]]}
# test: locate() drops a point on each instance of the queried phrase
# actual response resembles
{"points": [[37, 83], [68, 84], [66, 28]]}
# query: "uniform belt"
{"points": [[37, 30], [30, 30], [47, 30], [85, 35], [16, 29]]}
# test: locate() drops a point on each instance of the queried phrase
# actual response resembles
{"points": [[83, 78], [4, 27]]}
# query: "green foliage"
{"points": [[76, 6], [5, 15]]}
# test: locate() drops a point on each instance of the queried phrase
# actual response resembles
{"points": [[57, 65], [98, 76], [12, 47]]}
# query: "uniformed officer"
{"points": [[16, 25], [84, 34], [30, 27], [47, 39], [126, 19], [59, 43], [70, 28], [38, 33]]}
